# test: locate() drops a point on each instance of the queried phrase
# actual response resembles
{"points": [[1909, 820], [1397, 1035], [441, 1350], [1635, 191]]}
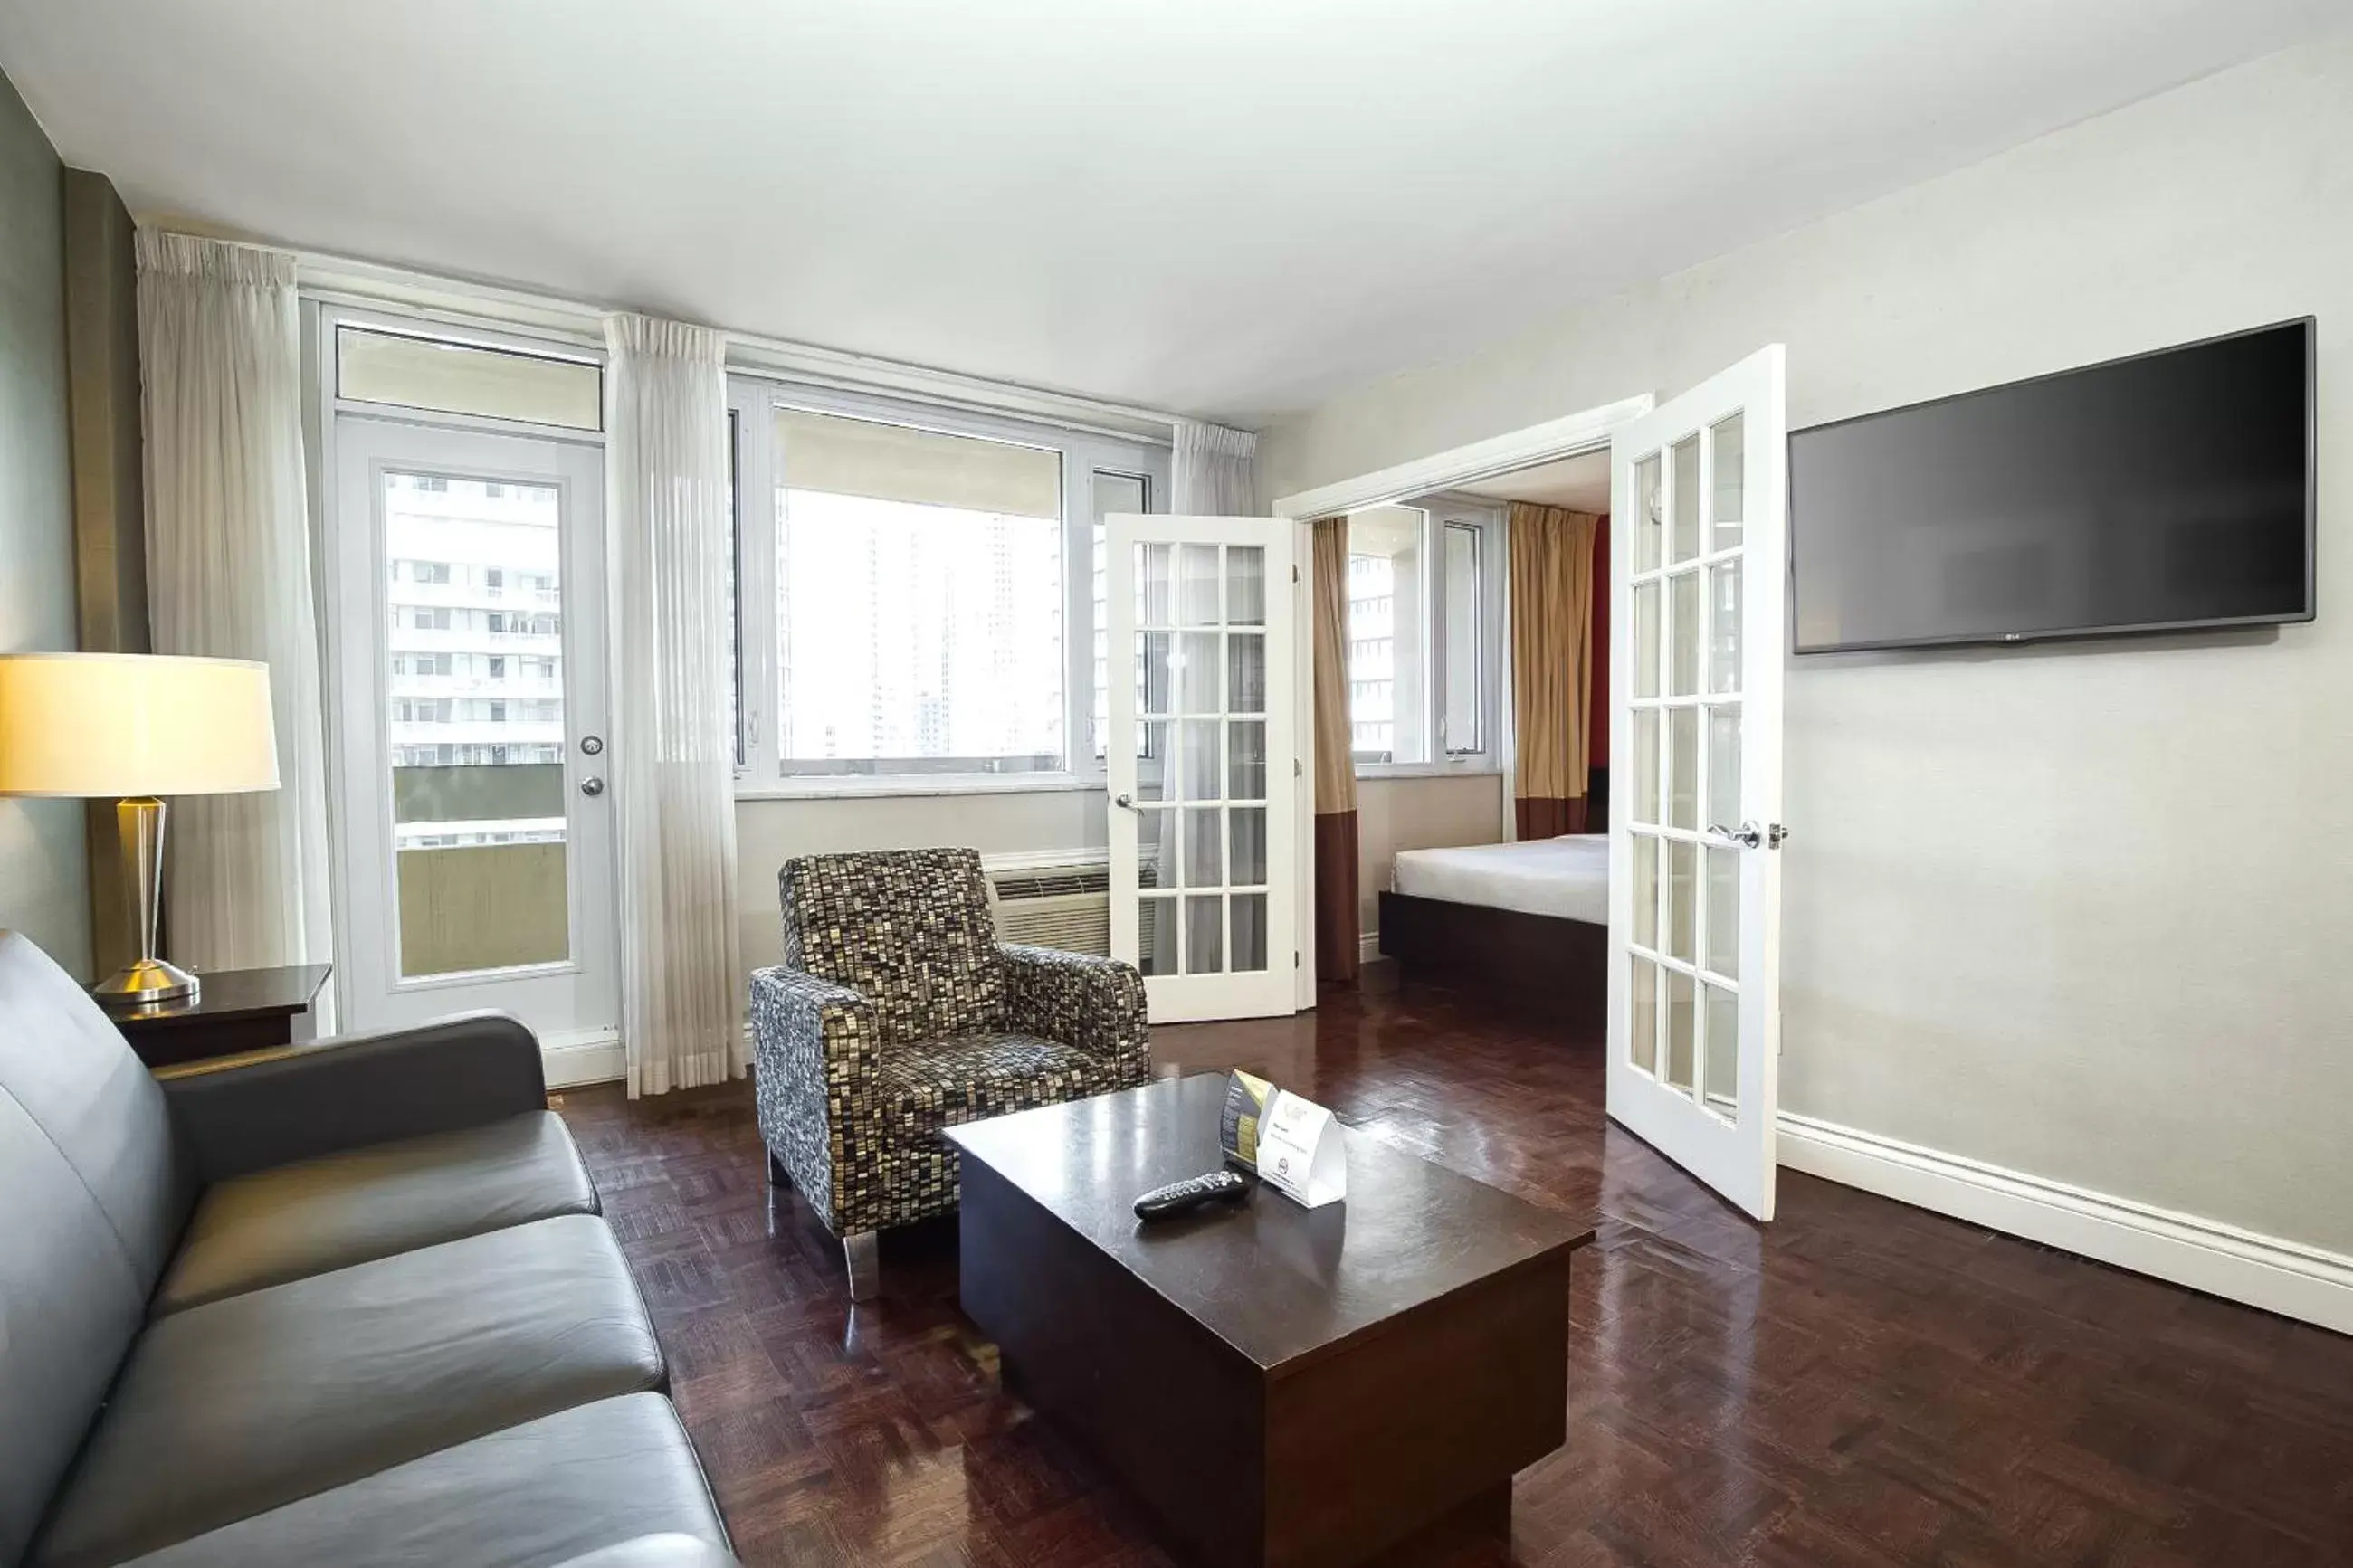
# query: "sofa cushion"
{"points": [[73, 1073], [908, 930], [330, 1212], [69, 1305], [548, 1491], [930, 1084], [253, 1401]]}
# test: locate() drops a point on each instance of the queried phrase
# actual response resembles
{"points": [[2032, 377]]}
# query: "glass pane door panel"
{"points": [[1154, 688], [1643, 1036], [1155, 847], [1723, 955], [1683, 501], [1646, 514], [1723, 767], [1722, 1044], [1196, 760], [1644, 804], [1157, 932], [1686, 633], [1205, 933], [1724, 631], [1682, 897], [1152, 764], [1646, 892], [1246, 759], [1683, 767], [1245, 673], [1682, 1032], [1248, 867], [1245, 585], [1250, 931], [1155, 589], [1198, 680], [1724, 488], [1197, 584], [473, 686], [1204, 854], [1646, 640]]}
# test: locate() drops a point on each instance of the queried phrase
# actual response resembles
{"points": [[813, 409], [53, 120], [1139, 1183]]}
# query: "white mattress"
{"points": [[1567, 877]]}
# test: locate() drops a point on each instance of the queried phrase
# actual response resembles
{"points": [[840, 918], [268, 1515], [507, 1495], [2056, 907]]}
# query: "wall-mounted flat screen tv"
{"points": [[2169, 491]]}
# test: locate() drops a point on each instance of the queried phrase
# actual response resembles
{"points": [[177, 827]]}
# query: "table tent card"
{"points": [[1294, 1144]]}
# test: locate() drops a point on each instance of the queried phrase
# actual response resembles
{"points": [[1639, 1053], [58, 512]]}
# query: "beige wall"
{"points": [[1418, 813], [2062, 909]]}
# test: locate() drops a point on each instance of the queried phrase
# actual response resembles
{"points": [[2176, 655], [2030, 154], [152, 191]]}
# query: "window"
{"points": [[1422, 635], [498, 666], [434, 620], [920, 596], [451, 377], [425, 571]]}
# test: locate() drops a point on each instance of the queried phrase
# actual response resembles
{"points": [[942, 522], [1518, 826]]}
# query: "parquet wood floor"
{"points": [[1859, 1383]]}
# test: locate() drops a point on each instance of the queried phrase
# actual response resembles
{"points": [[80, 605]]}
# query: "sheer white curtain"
{"points": [[1213, 471], [674, 760], [228, 575]]}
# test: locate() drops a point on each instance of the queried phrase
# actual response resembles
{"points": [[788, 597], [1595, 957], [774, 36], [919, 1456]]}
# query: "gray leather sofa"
{"points": [[347, 1303]]}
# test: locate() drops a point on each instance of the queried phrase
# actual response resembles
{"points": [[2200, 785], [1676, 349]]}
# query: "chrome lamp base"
{"points": [[139, 821], [146, 982]]}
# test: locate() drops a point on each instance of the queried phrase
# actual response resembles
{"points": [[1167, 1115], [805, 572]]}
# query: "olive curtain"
{"points": [[1552, 665], [1335, 765]]}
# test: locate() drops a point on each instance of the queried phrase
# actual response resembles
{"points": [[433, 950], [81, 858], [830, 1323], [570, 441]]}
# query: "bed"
{"points": [[1524, 925]]}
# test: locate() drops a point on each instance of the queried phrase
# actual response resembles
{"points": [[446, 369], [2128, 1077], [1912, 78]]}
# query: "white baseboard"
{"points": [[576, 1061], [1368, 946], [2283, 1277]]}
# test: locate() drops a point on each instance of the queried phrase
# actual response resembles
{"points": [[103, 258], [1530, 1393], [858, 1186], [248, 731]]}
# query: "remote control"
{"points": [[1182, 1197]]}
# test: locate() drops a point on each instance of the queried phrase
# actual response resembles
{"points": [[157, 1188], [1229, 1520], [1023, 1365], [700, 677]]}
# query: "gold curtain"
{"points": [[1552, 664], [1336, 767]]}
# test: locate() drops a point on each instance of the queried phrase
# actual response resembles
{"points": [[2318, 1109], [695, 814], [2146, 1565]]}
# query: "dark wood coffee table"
{"points": [[1279, 1385]]}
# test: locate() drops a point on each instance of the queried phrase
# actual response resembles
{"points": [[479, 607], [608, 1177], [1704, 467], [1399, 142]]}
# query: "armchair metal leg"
{"points": [[863, 1254], [778, 1175]]}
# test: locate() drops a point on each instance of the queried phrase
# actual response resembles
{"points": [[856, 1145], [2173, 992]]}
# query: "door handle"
{"points": [[1749, 836], [592, 787], [1126, 802]]}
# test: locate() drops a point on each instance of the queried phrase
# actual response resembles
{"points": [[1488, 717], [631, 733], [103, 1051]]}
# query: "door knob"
{"points": [[592, 787], [1126, 801], [1749, 836]]}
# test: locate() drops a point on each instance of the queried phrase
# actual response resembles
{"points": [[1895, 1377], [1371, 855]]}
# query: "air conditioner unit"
{"points": [[1052, 900]]}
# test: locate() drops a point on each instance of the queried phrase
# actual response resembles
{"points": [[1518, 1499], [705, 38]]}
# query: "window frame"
{"points": [[754, 400], [1489, 519]]}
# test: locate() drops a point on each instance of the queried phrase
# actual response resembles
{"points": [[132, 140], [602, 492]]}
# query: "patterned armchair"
{"points": [[897, 1013]]}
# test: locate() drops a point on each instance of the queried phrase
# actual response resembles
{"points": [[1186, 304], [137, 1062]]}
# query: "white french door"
{"points": [[473, 824], [1204, 828], [1696, 583]]}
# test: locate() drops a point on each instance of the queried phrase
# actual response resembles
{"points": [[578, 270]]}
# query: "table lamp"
{"points": [[136, 727]]}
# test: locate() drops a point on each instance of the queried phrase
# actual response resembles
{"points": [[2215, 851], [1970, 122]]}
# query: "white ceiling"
{"points": [[1582, 484], [1232, 208]]}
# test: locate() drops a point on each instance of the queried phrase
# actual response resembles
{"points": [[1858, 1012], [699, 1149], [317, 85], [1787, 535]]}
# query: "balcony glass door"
{"points": [[474, 824]]}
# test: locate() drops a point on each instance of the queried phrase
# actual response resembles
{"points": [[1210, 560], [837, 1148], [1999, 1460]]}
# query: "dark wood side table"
{"points": [[234, 1010]]}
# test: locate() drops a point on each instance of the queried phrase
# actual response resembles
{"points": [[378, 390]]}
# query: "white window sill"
{"points": [[855, 787], [1366, 772]]}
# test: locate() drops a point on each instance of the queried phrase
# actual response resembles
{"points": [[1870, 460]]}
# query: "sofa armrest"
{"points": [[1095, 1005], [818, 1046], [243, 1113]]}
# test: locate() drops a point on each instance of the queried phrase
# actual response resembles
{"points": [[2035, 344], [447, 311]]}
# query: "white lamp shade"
{"points": [[125, 724]]}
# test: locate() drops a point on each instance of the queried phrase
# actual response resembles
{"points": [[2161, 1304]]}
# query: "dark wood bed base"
{"points": [[1542, 967]]}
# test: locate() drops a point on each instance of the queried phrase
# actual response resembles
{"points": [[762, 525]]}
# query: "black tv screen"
{"points": [[2168, 490]]}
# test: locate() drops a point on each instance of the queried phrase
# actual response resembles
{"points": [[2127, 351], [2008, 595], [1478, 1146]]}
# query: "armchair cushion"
{"points": [[908, 930], [931, 1084], [340, 1209], [1094, 1003]]}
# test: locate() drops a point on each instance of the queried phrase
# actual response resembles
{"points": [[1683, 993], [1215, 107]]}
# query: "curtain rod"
{"points": [[346, 279]]}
